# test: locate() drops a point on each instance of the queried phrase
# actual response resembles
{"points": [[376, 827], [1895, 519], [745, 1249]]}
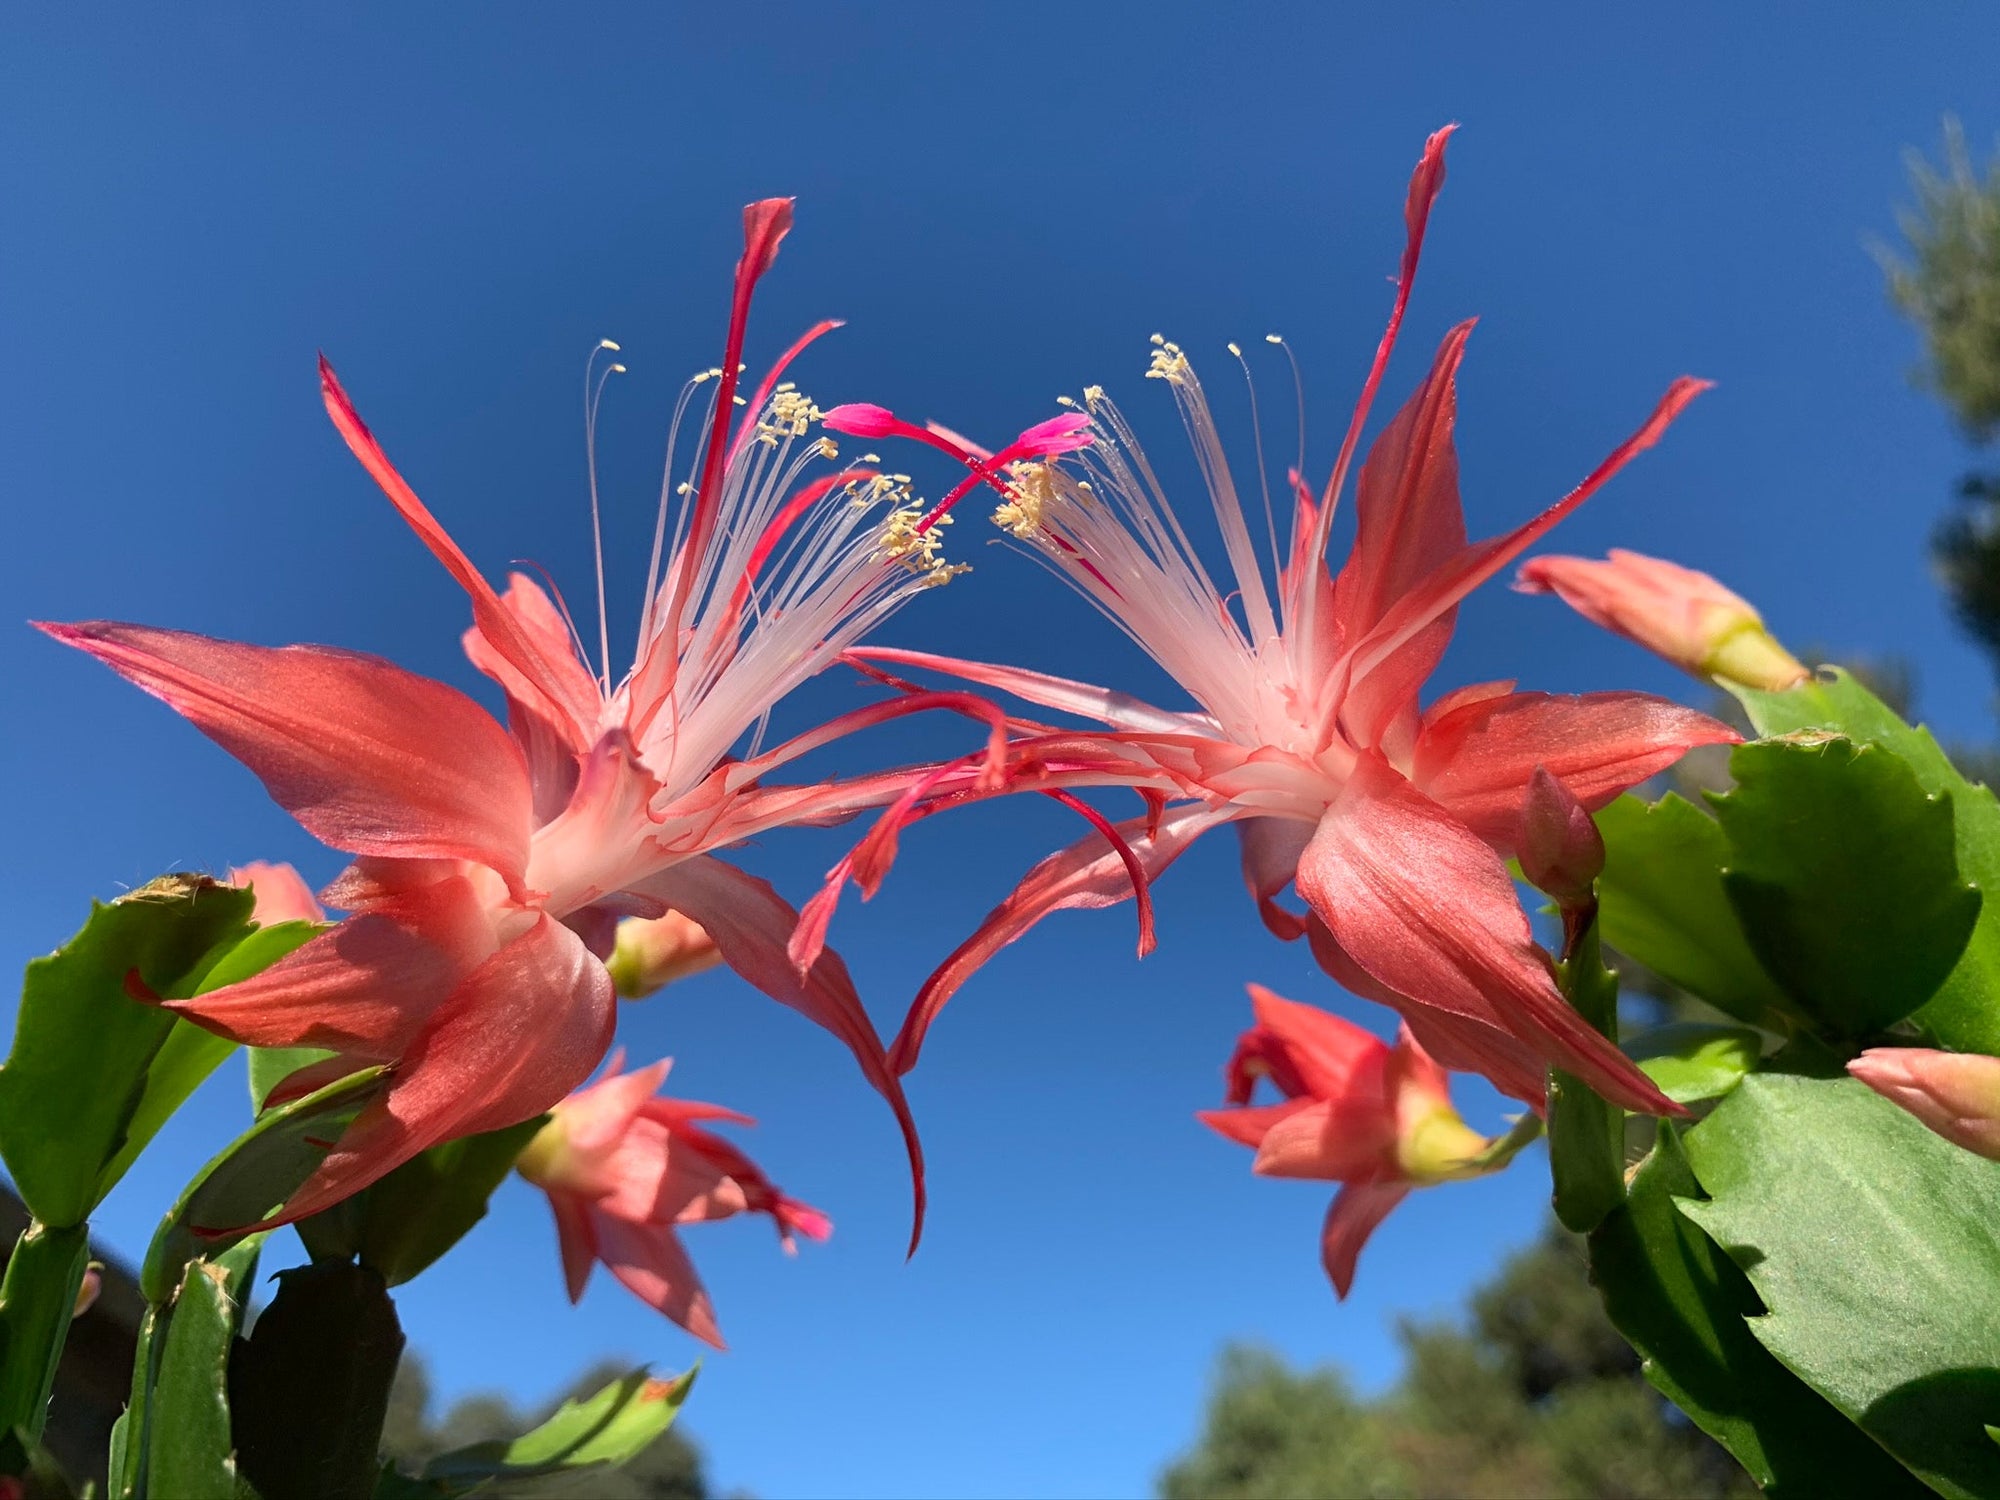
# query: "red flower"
{"points": [[1376, 1119], [624, 1169], [1393, 820]]}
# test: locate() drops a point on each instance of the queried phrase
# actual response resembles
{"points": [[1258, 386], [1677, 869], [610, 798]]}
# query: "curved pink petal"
{"points": [[653, 1265], [550, 747], [522, 1030], [751, 925], [1271, 850], [603, 839], [576, 1241], [1332, 1057], [544, 668], [1476, 761], [1417, 901], [1409, 523], [1464, 1044], [1356, 1211], [1336, 1140], [1247, 1124], [364, 989], [594, 1118], [1105, 705], [369, 758], [1088, 875], [1442, 589]]}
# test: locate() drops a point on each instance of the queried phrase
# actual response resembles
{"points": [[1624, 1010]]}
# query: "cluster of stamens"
{"points": [[790, 414], [1031, 491], [905, 539], [1168, 363]]}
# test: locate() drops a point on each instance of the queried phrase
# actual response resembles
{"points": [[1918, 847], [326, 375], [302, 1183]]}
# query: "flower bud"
{"points": [[1684, 616], [1956, 1094], [88, 1289], [1559, 847], [652, 954], [282, 894]]}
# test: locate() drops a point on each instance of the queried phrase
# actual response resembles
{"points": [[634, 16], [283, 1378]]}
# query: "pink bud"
{"points": [[86, 1293], [652, 954], [282, 894], [859, 419], [1956, 1094], [1559, 847], [1685, 616]]}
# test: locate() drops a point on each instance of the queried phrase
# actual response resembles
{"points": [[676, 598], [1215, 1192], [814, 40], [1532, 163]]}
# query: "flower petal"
{"points": [[1247, 1124], [1337, 1140], [751, 925], [653, 1265], [364, 989], [576, 1240], [1331, 1056], [1427, 909], [1089, 874], [369, 758], [595, 1117], [280, 891], [1409, 523], [545, 668], [1477, 760], [522, 1030], [1271, 850], [550, 746], [1356, 1211]]}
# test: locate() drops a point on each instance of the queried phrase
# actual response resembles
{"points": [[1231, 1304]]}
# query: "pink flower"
{"points": [[653, 952], [1376, 1119], [282, 894], [1685, 616], [1394, 820], [1956, 1094], [492, 864], [624, 1169]]}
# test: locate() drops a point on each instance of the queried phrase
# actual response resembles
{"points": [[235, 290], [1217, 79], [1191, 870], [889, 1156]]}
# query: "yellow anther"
{"points": [[607, 344], [1030, 492], [1233, 349]]}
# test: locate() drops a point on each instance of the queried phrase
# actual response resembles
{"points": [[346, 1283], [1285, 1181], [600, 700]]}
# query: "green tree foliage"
{"points": [[1533, 1393], [1948, 285], [671, 1469]]}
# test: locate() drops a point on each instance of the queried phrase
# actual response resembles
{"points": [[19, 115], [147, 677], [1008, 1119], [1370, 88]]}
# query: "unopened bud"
{"points": [[1956, 1094], [1560, 849], [652, 954], [86, 1293], [1680, 614]]}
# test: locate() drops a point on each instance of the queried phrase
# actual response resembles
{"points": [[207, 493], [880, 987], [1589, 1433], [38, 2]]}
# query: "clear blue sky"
{"points": [[456, 203]]}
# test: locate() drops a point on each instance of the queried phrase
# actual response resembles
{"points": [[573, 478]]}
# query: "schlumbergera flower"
{"points": [[1376, 1119], [1393, 820], [492, 864], [624, 1168], [1685, 616]]}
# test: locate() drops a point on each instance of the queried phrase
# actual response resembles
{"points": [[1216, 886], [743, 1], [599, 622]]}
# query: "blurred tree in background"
{"points": [[1948, 285], [1532, 1394], [669, 1470]]}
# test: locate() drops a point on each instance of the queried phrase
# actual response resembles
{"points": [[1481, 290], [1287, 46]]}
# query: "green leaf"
{"points": [[37, 1301], [1681, 1304], [1873, 1245], [311, 1386], [1845, 874], [87, 1054], [612, 1427], [128, 1434], [271, 1066], [1965, 1013], [1660, 899], [1586, 1133], [190, 1450], [1691, 1062], [411, 1217], [254, 1175]]}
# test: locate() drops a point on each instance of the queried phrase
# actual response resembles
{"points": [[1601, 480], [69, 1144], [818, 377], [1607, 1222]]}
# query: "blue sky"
{"points": [[455, 204]]}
